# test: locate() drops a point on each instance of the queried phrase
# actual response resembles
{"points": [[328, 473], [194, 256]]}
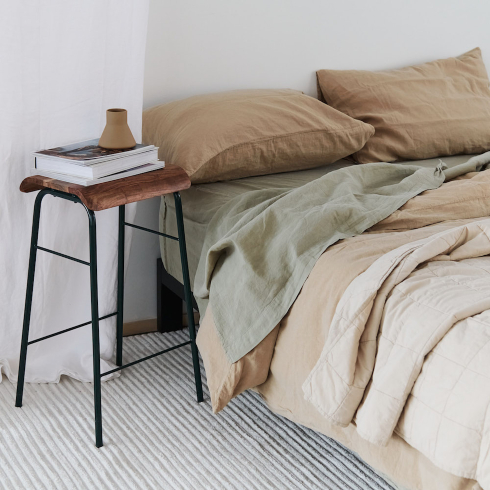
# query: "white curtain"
{"points": [[62, 64]]}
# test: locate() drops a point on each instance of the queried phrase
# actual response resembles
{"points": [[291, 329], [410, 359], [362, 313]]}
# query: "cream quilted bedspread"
{"points": [[412, 334]]}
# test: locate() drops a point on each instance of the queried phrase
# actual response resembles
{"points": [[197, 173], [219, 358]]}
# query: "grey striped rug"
{"points": [[157, 437]]}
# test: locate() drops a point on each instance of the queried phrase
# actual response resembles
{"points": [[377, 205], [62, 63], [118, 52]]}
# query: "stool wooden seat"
{"points": [[107, 195], [171, 179]]}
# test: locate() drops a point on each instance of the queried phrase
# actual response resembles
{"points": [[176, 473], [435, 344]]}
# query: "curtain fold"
{"points": [[63, 63]]}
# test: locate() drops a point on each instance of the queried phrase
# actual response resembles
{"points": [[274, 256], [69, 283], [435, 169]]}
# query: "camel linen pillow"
{"points": [[243, 133], [425, 111]]}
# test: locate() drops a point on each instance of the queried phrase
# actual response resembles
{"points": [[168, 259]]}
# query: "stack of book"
{"points": [[86, 163]]}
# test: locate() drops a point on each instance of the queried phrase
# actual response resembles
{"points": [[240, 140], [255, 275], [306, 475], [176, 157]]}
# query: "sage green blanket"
{"points": [[261, 246]]}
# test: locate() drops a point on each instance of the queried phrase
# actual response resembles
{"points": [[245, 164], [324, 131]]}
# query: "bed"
{"points": [[353, 298], [282, 388]]}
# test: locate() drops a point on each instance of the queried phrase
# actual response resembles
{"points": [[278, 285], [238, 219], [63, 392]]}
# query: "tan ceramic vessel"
{"points": [[116, 134]]}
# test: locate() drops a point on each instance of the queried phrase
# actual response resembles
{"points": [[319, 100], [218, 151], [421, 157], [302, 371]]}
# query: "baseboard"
{"points": [[139, 327], [146, 326]]}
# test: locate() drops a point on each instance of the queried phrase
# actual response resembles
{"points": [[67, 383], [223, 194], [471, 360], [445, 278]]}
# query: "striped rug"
{"points": [[157, 437]]}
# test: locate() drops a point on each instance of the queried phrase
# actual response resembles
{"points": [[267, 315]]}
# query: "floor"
{"points": [[157, 437]]}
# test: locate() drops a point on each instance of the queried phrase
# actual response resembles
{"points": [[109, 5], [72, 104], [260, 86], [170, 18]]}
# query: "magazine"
{"points": [[90, 151]]}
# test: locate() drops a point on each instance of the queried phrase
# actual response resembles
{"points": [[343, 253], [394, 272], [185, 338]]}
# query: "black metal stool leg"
{"points": [[28, 303], [94, 301], [120, 286], [188, 296], [95, 328]]}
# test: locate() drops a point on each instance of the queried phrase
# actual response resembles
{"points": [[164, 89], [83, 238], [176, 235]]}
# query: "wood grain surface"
{"points": [[117, 192]]}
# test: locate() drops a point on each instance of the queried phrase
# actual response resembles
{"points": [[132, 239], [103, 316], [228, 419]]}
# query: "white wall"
{"points": [[140, 301], [200, 46]]}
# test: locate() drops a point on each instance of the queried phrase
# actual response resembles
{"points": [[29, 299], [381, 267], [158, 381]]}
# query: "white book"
{"points": [[96, 170], [88, 160], [147, 167]]}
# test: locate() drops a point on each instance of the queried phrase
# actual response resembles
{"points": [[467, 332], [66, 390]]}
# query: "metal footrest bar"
{"points": [[151, 231], [63, 255], [70, 329], [146, 358]]}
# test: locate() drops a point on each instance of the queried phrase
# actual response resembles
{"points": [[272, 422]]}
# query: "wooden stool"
{"points": [[171, 179]]}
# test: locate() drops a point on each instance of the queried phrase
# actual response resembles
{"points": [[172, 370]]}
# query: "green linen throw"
{"points": [[261, 246]]}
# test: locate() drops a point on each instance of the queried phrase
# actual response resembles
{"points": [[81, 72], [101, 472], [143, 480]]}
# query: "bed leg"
{"points": [[169, 305]]}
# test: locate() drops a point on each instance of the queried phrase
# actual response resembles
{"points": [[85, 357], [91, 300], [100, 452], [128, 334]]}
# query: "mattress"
{"points": [[200, 202]]}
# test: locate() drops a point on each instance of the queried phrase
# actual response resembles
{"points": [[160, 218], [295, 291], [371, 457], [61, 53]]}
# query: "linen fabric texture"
{"points": [[243, 133], [200, 203], [263, 278], [435, 109]]}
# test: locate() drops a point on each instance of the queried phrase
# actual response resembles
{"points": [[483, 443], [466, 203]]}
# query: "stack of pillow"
{"points": [[435, 109]]}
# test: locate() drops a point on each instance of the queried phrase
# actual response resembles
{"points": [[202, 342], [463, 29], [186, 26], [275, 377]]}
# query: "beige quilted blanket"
{"points": [[418, 319]]}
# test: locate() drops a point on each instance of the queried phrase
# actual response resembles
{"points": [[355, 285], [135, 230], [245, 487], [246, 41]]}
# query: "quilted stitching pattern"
{"points": [[450, 400], [409, 350]]}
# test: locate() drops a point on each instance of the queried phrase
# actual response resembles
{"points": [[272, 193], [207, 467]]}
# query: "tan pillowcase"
{"points": [[435, 109], [251, 132]]}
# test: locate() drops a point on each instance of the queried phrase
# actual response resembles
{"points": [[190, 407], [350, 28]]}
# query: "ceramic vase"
{"points": [[116, 134]]}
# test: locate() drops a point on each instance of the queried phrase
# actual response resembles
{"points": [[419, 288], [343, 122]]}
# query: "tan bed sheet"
{"points": [[303, 331]]}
